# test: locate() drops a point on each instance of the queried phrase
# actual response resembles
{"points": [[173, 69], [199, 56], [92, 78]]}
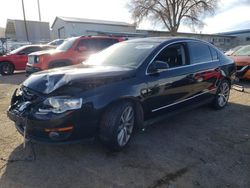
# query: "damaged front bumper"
{"points": [[67, 127], [49, 131], [243, 72]]}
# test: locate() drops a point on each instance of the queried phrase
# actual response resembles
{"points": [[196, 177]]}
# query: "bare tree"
{"points": [[172, 12]]}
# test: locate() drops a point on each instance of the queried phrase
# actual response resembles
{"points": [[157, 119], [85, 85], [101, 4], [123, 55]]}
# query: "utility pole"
{"points": [[39, 11], [25, 23]]}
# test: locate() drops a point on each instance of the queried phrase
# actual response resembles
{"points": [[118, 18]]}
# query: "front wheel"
{"points": [[6, 68], [118, 125], [222, 95]]}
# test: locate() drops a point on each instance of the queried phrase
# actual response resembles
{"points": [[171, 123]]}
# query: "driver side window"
{"points": [[29, 50], [173, 55]]}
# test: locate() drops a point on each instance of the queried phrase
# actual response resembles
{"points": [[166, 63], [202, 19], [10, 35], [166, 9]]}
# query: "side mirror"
{"points": [[81, 49], [158, 66]]}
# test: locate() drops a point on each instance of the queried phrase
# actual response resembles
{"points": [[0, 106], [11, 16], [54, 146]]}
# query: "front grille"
{"points": [[29, 95], [31, 59]]}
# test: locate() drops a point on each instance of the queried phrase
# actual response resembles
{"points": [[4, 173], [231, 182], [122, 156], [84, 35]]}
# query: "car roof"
{"points": [[37, 45], [114, 37], [163, 39]]}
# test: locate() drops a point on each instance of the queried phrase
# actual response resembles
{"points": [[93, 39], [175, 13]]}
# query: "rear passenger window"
{"points": [[48, 47], [104, 43], [214, 53], [31, 49], [199, 52], [97, 44]]}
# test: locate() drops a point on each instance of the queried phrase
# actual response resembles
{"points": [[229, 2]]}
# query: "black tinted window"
{"points": [[48, 48], [97, 44], [214, 53], [173, 55], [124, 54], [31, 49], [104, 43], [199, 52]]}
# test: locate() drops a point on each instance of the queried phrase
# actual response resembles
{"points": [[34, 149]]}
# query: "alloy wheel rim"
{"points": [[6, 69], [126, 126], [223, 94]]}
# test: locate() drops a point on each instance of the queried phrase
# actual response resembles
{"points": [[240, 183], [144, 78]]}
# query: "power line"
{"points": [[39, 11], [25, 23]]}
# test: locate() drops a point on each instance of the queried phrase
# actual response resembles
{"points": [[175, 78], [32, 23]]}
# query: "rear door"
{"points": [[206, 66]]}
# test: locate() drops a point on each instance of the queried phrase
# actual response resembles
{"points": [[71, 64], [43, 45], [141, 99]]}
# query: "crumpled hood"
{"points": [[52, 51], [48, 81]]}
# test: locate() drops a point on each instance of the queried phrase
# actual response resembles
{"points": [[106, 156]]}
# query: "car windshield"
{"points": [[67, 44], [124, 54], [18, 50], [243, 51], [56, 42]]}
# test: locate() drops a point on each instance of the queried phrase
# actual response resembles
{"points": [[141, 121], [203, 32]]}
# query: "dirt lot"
{"points": [[199, 148]]}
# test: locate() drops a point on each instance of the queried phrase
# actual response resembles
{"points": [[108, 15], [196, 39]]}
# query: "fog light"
{"points": [[54, 135]]}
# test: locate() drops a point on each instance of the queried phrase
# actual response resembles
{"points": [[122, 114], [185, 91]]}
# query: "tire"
{"points": [[118, 125], [6, 68], [222, 95]]}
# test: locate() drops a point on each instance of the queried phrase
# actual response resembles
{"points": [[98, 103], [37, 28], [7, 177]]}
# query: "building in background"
{"points": [[64, 27], [2, 32], [37, 31], [223, 42], [242, 37]]}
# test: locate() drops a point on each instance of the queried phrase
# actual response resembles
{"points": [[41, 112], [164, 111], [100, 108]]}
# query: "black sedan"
{"points": [[116, 90]]}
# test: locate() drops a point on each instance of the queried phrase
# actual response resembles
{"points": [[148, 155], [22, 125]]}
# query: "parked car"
{"points": [[242, 60], [231, 51], [115, 90], [56, 42], [17, 59], [72, 51]]}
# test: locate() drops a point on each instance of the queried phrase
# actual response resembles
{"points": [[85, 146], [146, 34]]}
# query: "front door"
{"points": [[171, 85], [180, 83]]}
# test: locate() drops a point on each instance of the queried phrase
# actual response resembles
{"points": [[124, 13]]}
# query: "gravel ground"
{"points": [[203, 148]]}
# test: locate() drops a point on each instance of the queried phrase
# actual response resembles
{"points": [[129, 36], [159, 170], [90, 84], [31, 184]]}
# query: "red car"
{"points": [[17, 59], [73, 51], [241, 58]]}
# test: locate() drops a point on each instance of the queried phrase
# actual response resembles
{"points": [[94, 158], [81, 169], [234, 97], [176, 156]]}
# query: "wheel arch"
{"points": [[8, 62], [230, 81], [137, 105]]}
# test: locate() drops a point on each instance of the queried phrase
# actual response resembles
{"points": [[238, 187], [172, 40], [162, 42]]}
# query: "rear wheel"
{"points": [[222, 95], [118, 125], [6, 68]]}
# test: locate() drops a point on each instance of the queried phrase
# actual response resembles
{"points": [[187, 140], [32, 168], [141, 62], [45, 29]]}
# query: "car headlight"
{"points": [[60, 104]]}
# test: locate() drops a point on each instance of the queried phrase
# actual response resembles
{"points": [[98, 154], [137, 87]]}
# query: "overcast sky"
{"points": [[231, 15]]}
